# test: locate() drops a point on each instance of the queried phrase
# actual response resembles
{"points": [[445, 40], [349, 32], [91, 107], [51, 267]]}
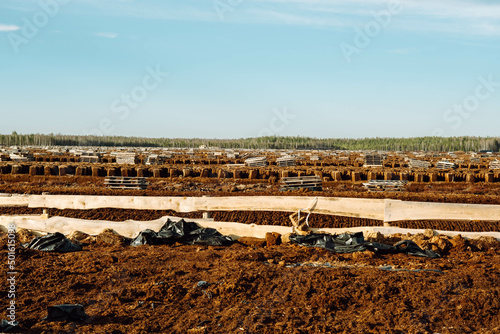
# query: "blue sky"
{"points": [[244, 68]]}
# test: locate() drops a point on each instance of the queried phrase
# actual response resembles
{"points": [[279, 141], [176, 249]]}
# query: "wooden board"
{"points": [[347, 207], [403, 210], [15, 200], [380, 209]]}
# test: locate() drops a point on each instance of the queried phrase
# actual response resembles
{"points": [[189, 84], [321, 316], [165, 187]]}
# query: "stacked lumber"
{"points": [[414, 163], [495, 164], [256, 162], [385, 185], [301, 182], [374, 160], [121, 182], [287, 160], [443, 164]]}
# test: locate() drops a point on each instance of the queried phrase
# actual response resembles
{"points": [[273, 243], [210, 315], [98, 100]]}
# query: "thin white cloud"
{"points": [[9, 27], [478, 17], [450, 8], [488, 28], [270, 16], [404, 51], [456, 17], [107, 34]]}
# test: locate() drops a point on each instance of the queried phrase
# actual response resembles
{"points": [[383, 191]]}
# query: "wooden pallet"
{"points": [[413, 163], [256, 162], [445, 165], [301, 182], [286, 161], [495, 164], [122, 182], [374, 160], [385, 185], [235, 165]]}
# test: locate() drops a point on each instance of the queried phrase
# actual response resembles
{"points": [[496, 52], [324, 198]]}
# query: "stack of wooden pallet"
{"points": [[301, 182], [445, 165], [121, 182], [495, 164], [286, 160], [374, 160], [385, 185], [156, 159], [413, 163], [124, 158], [90, 159], [256, 162]]}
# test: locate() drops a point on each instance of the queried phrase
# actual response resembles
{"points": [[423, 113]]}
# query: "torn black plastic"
{"points": [[9, 326], [355, 242], [66, 312], [184, 232], [53, 242]]}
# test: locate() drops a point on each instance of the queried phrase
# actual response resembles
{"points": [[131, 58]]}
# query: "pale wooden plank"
{"points": [[348, 207], [402, 210]]}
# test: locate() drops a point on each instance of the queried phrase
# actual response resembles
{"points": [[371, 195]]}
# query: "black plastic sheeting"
{"points": [[184, 232], [66, 312], [53, 242], [6, 327], [355, 242]]}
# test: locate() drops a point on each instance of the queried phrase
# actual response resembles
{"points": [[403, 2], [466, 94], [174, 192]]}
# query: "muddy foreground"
{"points": [[253, 289]]}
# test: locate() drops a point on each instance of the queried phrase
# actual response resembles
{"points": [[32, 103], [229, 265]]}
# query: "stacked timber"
{"points": [[121, 182], [126, 158], [495, 164], [155, 159], [256, 162], [301, 182], [414, 163], [287, 160], [443, 164], [374, 160], [90, 159], [385, 185]]}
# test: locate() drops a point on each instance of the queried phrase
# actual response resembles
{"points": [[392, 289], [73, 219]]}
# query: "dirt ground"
{"points": [[277, 289], [252, 289]]}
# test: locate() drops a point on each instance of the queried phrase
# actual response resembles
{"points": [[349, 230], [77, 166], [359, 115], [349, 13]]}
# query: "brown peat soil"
{"points": [[253, 289], [276, 289]]}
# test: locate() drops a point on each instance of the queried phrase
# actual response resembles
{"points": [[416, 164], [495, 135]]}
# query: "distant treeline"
{"points": [[386, 144]]}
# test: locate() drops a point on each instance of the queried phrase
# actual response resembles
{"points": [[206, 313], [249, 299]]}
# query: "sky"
{"points": [[248, 68]]}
